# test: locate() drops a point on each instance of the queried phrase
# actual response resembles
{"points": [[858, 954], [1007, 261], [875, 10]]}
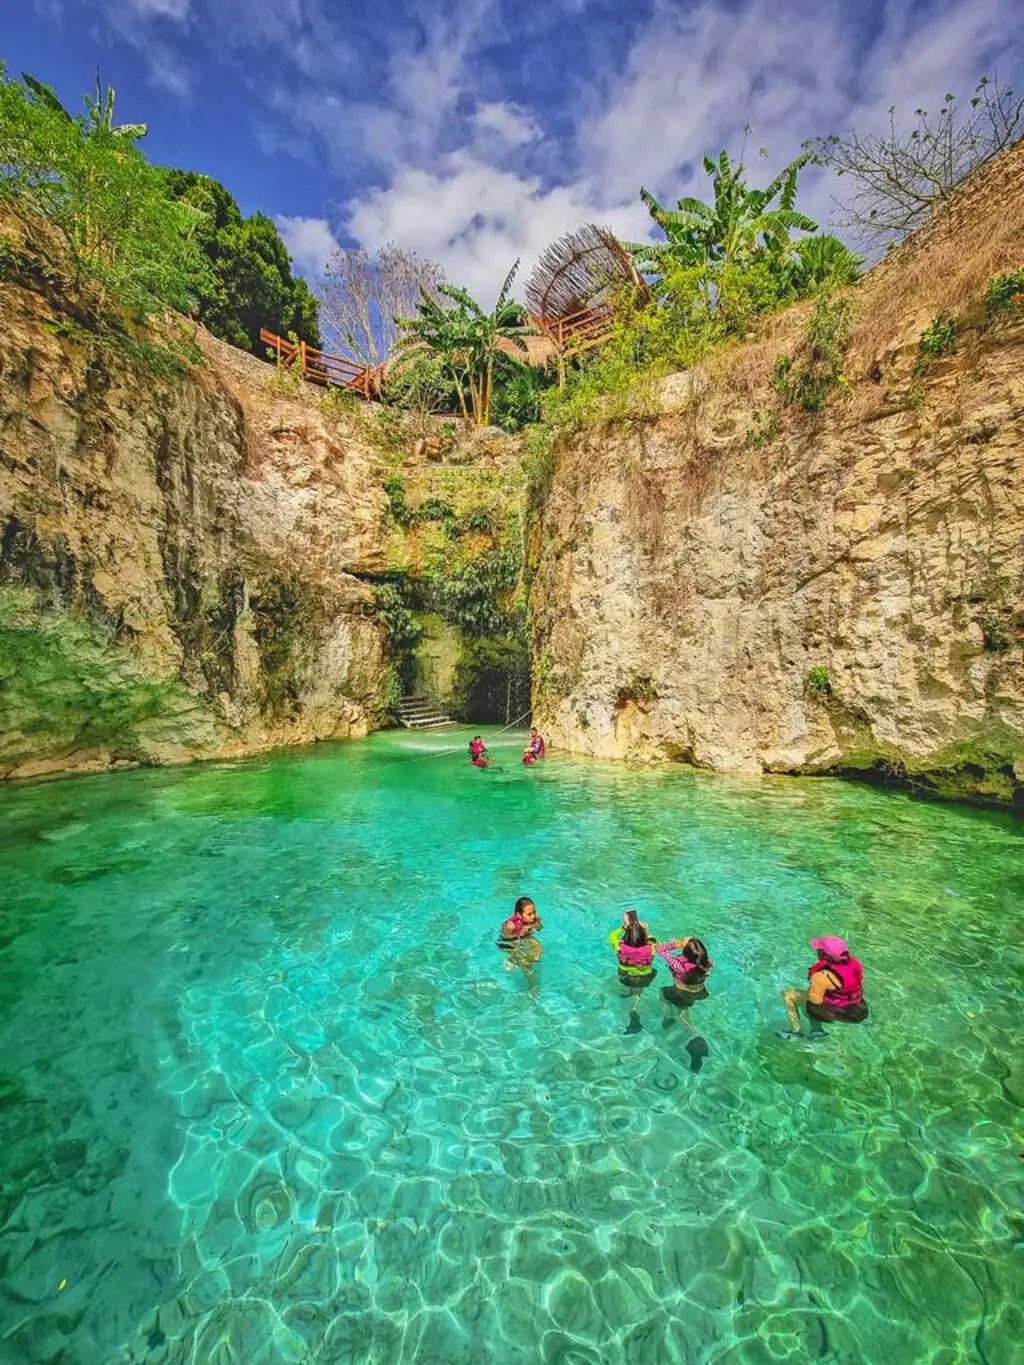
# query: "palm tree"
{"points": [[470, 341], [100, 110], [738, 223]]}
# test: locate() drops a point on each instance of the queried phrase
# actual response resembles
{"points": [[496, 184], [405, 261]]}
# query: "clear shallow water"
{"points": [[267, 1095]]}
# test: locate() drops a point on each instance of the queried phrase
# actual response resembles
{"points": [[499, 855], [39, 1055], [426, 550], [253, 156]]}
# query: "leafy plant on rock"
{"points": [[810, 379], [819, 682], [1005, 294]]}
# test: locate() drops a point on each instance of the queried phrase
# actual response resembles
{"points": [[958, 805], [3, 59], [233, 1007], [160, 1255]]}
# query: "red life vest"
{"points": [[851, 979]]}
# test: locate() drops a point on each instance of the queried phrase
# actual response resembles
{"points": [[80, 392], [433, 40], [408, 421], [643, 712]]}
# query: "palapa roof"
{"points": [[577, 271]]}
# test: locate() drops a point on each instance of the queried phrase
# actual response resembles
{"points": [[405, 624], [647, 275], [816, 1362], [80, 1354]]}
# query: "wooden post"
{"points": [[302, 359]]}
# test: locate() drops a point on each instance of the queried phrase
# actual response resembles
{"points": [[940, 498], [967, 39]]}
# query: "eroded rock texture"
{"points": [[182, 560], [812, 592]]}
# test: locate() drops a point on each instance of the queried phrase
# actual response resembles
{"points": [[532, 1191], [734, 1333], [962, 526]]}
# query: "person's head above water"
{"points": [[533, 729], [694, 951], [634, 934], [525, 908], [831, 946]]}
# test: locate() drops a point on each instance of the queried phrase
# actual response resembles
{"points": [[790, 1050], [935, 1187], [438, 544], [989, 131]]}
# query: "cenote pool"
{"points": [[268, 1096]]}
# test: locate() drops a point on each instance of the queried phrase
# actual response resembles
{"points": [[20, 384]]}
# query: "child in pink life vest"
{"points": [[517, 938], [634, 950], [478, 754], [835, 990], [688, 961]]}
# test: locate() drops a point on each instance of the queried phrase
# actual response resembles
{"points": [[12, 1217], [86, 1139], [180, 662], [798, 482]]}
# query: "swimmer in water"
{"points": [[688, 961], [478, 755], [534, 750], [634, 951], [518, 939], [835, 990]]}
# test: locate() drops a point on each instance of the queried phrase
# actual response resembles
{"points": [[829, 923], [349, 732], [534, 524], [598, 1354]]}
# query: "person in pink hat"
{"points": [[835, 990]]}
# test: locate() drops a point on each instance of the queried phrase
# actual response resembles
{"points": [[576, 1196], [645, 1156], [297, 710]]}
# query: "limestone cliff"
{"points": [[183, 559], [742, 585]]}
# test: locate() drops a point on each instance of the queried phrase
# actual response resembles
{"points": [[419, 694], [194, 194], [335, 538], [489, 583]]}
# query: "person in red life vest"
{"points": [[517, 938], [634, 951], [534, 748], [478, 754], [835, 989]]}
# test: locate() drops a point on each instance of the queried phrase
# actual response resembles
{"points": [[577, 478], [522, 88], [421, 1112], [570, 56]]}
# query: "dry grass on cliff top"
{"points": [[945, 267]]}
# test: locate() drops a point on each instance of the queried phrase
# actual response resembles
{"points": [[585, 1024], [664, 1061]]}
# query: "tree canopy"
{"points": [[249, 283], [153, 238], [86, 176]]}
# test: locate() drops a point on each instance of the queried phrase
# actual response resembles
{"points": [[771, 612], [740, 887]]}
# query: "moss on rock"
{"points": [[68, 686]]}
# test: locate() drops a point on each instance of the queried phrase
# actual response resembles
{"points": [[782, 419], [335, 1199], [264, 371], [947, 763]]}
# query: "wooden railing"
{"points": [[320, 367], [578, 331]]}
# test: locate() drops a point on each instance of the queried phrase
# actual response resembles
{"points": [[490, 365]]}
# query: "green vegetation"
{"points": [[809, 379], [738, 222], [722, 265], [65, 677], [1005, 294], [473, 347], [248, 283], [938, 338], [763, 430], [124, 231], [819, 682], [145, 238]]}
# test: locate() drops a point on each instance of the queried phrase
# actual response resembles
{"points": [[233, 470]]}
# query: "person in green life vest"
{"points": [[634, 948]]}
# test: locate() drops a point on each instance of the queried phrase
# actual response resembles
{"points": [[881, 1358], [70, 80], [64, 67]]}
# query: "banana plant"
{"points": [[470, 341], [736, 224], [99, 109]]}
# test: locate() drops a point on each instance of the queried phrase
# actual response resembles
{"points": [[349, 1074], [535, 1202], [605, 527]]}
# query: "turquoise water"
{"points": [[267, 1094]]}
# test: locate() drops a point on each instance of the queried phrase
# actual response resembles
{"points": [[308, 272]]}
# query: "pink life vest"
{"points": [[681, 968], [851, 978], [520, 928], [636, 957]]}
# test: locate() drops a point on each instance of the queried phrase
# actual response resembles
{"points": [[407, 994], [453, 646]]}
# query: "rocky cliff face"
{"points": [[183, 560], [803, 593]]}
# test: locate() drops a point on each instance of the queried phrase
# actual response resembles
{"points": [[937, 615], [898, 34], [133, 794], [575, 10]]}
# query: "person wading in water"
{"points": [[835, 990]]}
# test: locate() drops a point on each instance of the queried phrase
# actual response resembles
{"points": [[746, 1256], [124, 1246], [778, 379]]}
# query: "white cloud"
{"points": [[163, 9], [510, 124], [428, 142], [309, 242], [695, 78], [476, 219]]}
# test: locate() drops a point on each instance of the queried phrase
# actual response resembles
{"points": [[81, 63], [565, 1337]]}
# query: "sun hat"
{"points": [[831, 945]]}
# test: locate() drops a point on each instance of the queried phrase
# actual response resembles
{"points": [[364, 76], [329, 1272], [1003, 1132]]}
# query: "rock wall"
{"points": [[790, 592], [183, 560]]}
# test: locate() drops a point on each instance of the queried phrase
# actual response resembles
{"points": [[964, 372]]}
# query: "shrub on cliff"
{"points": [[124, 230]]}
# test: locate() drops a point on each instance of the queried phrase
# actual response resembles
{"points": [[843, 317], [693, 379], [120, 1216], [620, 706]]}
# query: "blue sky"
{"points": [[478, 130]]}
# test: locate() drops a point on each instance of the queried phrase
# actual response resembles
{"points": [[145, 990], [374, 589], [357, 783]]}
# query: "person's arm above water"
{"points": [[671, 945], [615, 938]]}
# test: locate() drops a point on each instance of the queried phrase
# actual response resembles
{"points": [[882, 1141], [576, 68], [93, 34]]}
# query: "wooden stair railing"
{"points": [[320, 367]]}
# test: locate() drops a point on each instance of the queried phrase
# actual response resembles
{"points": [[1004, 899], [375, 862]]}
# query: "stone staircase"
{"points": [[420, 713]]}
